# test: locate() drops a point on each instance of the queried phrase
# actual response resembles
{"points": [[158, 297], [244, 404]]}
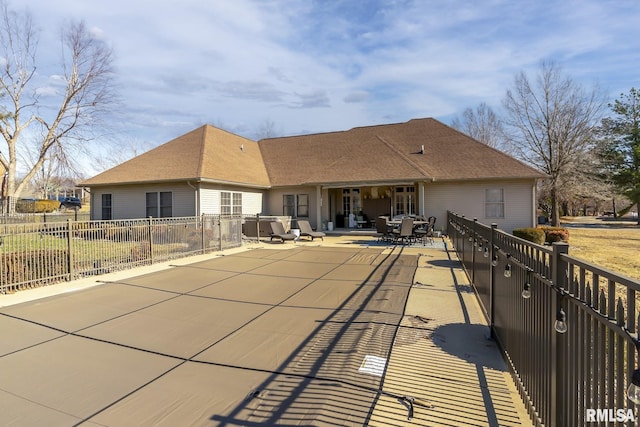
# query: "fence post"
{"points": [[258, 226], [71, 270], [492, 280], [220, 233], [559, 342], [150, 227], [464, 238], [202, 234], [473, 251]]}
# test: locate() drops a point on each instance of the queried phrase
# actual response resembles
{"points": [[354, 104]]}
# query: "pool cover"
{"points": [[262, 337]]}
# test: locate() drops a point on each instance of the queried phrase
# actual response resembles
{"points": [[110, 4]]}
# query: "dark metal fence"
{"points": [[574, 378], [37, 254], [44, 218]]}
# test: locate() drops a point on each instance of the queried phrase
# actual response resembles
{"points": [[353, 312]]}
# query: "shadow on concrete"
{"points": [[468, 342]]}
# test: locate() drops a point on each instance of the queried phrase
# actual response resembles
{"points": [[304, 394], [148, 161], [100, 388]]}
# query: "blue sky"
{"points": [[316, 66]]}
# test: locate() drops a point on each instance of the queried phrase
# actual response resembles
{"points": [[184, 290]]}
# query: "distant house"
{"points": [[421, 167]]}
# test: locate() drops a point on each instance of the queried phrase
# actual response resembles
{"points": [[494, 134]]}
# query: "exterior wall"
{"points": [[209, 201], [464, 198], [252, 200], [129, 202], [468, 199], [274, 204], [252, 203]]}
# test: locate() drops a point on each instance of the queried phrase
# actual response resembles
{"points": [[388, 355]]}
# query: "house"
{"points": [[421, 167]]}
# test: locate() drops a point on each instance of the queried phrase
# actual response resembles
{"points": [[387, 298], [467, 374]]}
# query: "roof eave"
{"points": [[180, 180]]}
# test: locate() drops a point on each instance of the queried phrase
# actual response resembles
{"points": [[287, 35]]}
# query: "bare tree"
{"points": [[267, 129], [482, 124], [86, 93], [550, 124]]}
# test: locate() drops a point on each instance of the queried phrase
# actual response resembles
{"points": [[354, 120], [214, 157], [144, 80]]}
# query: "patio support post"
{"points": [[318, 207], [492, 281], [421, 205]]}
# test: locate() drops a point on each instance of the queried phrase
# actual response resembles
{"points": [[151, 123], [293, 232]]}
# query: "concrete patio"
{"points": [[441, 369]]}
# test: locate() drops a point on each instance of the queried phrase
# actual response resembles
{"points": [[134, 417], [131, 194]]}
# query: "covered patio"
{"points": [[336, 332]]}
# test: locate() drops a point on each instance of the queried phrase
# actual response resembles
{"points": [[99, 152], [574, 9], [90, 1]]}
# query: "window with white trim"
{"points": [[405, 201], [230, 203], [494, 203]]}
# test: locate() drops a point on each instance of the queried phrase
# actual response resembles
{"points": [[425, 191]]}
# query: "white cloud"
{"points": [[350, 63], [357, 97]]}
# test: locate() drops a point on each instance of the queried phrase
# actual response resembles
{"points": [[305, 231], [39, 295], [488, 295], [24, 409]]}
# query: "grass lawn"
{"points": [[613, 247]]}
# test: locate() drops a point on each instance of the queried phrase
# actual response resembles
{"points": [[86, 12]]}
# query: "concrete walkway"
{"points": [[441, 359]]}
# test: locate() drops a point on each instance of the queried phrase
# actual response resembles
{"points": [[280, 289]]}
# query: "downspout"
{"points": [[534, 203], [197, 198]]}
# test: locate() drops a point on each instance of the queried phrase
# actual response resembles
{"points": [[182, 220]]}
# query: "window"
{"points": [[230, 203], [159, 204], [106, 207], [166, 208], [405, 201], [303, 206], [295, 205], [494, 203], [289, 205], [351, 202], [237, 204]]}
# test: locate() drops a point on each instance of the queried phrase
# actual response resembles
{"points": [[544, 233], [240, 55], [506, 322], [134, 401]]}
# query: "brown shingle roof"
{"points": [[387, 153], [360, 155], [204, 154]]}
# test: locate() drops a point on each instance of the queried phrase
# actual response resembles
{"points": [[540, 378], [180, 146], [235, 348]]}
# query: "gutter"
{"points": [[178, 181]]}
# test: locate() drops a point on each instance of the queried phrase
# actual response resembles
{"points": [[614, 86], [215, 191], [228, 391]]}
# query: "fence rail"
{"points": [[38, 254], [566, 379]]}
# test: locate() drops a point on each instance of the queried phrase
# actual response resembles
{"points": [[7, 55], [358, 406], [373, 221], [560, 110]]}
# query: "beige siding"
{"points": [[468, 199], [130, 201], [274, 202]]}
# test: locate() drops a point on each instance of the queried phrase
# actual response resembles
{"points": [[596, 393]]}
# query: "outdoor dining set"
{"points": [[406, 230]]}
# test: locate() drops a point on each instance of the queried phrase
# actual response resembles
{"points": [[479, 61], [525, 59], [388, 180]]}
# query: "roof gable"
{"points": [[204, 154]]}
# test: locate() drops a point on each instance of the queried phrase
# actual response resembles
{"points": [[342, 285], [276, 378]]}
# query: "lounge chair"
{"points": [[277, 230], [306, 230]]}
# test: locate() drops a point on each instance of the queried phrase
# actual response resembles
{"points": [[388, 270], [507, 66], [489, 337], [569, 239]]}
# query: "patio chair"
{"points": [[405, 232], [306, 230], [277, 230], [382, 230], [426, 234]]}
